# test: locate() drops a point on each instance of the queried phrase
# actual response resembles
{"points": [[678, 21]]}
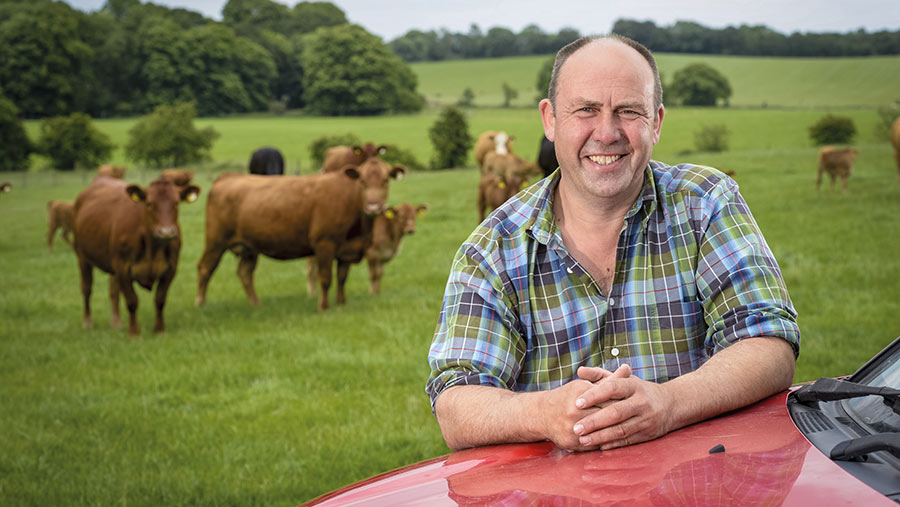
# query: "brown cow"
{"points": [[339, 157], [60, 215], [494, 191], [289, 217], [492, 141], [895, 140], [132, 233], [387, 232], [111, 171], [836, 162]]}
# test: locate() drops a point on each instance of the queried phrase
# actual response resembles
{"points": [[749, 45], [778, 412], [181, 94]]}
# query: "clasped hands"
{"points": [[604, 410]]}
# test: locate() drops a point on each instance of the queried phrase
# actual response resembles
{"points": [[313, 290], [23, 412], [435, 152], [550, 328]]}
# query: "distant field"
{"points": [[755, 81]]}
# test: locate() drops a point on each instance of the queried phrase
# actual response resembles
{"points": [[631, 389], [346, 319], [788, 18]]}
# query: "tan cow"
{"points": [[338, 157], [60, 215], [111, 171], [132, 233], [837, 162], [328, 216], [895, 140], [508, 165], [387, 232], [494, 191], [492, 141]]}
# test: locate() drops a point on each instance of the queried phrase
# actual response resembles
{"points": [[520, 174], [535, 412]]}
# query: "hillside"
{"points": [[756, 81]]}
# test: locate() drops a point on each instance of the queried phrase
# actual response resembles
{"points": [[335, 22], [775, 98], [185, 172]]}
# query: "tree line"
{"points": [[680, 37], [129, 57]]}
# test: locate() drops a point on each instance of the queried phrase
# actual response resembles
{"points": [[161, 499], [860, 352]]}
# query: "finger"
{"points": [[592, 373], [624, 433], [611, 388]]}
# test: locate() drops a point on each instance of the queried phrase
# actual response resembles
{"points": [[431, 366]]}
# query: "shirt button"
{"points": [[568, 270], [612, 302], [614, 352]]}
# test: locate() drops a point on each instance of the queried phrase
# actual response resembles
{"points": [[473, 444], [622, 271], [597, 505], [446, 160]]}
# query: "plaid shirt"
{"points": [[693, 275]]}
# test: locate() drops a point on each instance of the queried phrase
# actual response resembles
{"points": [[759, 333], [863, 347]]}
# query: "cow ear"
{"points": [[398, 172], [390, 213], [6, 187], [357, 150], [137, 193], [382, 150], [190, 193], [351, 172], [421, 209]]}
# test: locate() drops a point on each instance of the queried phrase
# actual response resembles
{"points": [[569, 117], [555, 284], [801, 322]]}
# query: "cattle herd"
{"points": [[338, 216]]}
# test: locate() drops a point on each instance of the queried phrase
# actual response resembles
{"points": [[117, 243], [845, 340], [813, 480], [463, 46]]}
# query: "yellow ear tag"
{"points": [[502, 184], [192, 197], [524, 183], [389, 214], [420, 213], [135, 198]]}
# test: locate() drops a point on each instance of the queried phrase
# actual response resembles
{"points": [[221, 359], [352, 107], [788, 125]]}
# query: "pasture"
{"points": [[275, 405]]}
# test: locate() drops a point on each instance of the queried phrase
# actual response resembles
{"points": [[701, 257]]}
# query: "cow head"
{"points": [[160, 200], [374, 176], [405, 216], [5, 187]]}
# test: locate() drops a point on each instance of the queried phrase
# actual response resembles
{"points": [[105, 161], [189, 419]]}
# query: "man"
{"points": [[619, 299]]}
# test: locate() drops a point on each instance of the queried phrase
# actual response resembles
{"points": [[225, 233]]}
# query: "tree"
{"points": [[167, 137], [73, 141], [349, 71], [509, 94], [451, 139], [309, 16], [543, 79], [467, 99], [499, 42], [261, 14], [16, 146], [699, 84]]}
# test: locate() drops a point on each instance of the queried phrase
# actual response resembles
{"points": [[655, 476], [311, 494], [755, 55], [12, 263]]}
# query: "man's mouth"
{"points": [[604, 159]]}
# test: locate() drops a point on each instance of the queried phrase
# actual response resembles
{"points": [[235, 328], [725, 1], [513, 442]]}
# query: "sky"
{"points": [[390, 19]]}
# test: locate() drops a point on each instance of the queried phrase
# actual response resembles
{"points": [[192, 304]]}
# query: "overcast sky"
{"points": [[392, 18]]}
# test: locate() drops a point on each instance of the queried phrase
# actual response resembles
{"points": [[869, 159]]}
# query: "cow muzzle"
{"points": [[165, 232], [373, 208]]}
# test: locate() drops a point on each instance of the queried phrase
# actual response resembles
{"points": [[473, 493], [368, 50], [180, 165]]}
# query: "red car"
{"points": [[831, 442]]}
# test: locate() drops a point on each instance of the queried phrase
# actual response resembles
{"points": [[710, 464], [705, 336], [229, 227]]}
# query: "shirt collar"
{"points": [[542, 224]]}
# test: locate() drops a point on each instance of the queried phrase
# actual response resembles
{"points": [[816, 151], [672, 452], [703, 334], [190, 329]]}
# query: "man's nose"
{"points": [[607, 129]]}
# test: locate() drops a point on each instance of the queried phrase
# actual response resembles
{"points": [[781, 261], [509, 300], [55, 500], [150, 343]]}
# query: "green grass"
{"points": [[755, 81], [275, 405]]}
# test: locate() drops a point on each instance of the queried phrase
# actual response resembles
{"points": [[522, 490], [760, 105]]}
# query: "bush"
{"points": [[886, 117], [16, 147], [698, 84], [167, 137], [832, 129], [451, 140], [712, 138], [393, 154], [73, 141], [317, 147], [509, 94], [467, 99], [543, 79]]}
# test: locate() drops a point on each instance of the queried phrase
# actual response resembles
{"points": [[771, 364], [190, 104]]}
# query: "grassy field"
{"points": [[275, 405]]}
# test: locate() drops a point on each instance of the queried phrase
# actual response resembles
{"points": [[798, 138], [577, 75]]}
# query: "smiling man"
{"points": [[618, 299]]}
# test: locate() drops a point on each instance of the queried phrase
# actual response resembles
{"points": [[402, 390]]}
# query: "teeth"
{"points": [[604, 159]]}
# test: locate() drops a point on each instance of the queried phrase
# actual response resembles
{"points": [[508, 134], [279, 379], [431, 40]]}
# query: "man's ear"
{"points": [[137, 193], [657, 127], [548, 118]]}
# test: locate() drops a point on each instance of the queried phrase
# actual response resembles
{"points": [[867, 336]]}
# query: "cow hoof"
{"points": [[87, 324], [199, 301], [115, 323]]}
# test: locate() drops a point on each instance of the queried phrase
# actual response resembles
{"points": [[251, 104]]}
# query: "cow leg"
{"points": [[131, 302], [324, 259], [312, 276], [115, 319], [207, 265], [844, 183], [67, 236], [343, 271], [245, 273], [87, 281], [162, 289], [50, 232], [376, 269], [819, 179]]}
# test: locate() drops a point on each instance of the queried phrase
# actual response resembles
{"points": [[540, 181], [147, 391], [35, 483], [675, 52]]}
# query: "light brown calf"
{"points": [[837, 162], [492, 141], [132, 233], [494, 191], [387, 232], [60, 215]]}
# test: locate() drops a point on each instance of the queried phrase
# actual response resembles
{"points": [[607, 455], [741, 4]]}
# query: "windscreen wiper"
{"points": [[858, 447], [829, 389]]}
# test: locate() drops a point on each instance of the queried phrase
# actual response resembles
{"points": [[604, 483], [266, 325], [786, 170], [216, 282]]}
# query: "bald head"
{"points": [[612, 39]]}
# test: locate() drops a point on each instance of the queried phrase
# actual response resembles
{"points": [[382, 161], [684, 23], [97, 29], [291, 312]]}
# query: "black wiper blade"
{"points": [[829, 389], [858, 447]]}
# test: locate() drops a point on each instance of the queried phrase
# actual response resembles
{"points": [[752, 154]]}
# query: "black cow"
{"points": [[267, 161], [547, 156]]}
